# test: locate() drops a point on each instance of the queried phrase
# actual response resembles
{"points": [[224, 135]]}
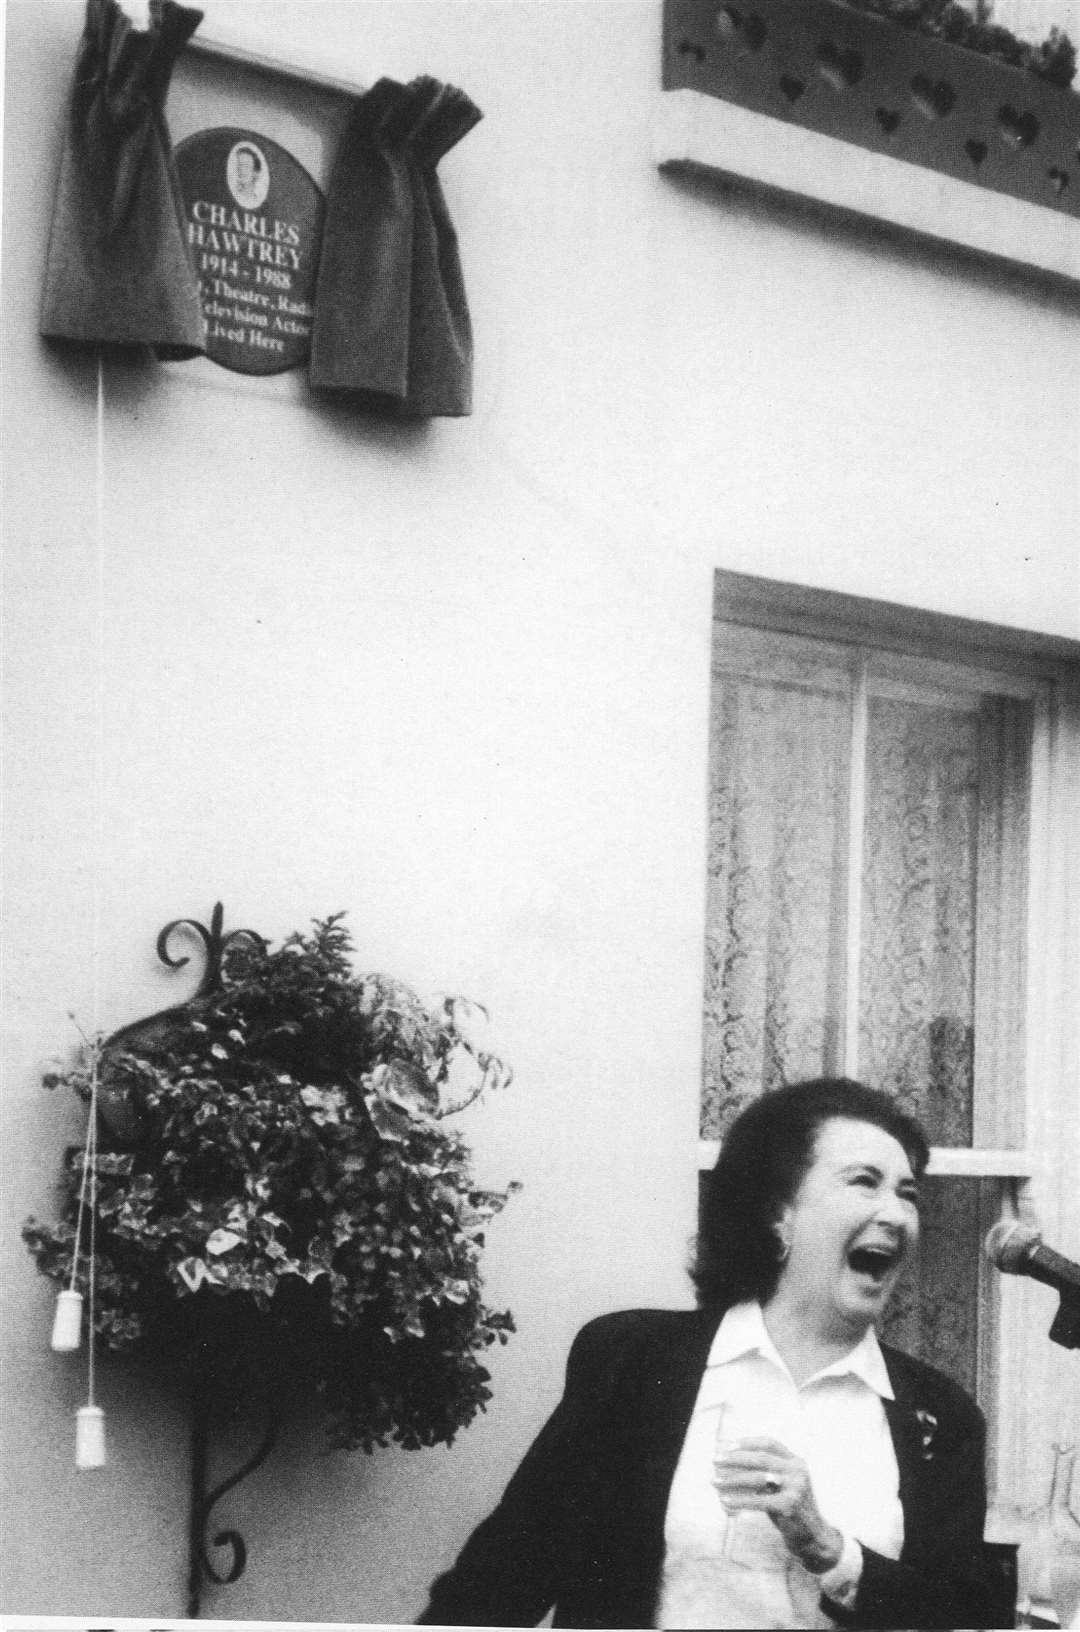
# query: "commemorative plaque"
{"points": [[254, 222]]}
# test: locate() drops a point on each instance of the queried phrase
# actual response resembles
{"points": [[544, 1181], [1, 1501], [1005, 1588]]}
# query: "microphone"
{"points": [[1017, 1249]]}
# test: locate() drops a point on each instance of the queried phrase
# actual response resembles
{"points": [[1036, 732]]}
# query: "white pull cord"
{"points": [[90, 1419], [67, 1324]]}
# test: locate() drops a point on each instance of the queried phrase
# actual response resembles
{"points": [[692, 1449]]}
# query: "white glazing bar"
{"points": [[856, 821], [960, 1162]]}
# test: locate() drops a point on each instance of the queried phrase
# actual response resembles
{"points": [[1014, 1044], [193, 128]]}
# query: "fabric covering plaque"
{"points": [[254, 223]]}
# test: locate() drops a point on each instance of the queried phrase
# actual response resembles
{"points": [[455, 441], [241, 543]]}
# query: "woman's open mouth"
{"points": [[874, 1262]]}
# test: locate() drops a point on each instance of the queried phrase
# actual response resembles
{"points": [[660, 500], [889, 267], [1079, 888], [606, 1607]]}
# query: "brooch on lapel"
{"points": [[928, 1425]]}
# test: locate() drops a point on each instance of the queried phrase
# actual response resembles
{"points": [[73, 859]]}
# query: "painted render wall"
{"points": [[454, 679]]}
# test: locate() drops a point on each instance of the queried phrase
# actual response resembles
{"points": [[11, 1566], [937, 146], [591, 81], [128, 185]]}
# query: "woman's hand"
{"points": [[763, 1476]]}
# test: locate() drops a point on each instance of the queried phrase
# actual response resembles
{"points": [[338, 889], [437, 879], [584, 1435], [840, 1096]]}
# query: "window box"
{"points": [[814, 98]]}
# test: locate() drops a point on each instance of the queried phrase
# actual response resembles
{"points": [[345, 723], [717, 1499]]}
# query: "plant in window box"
{"points": [[971, 26], [926, 81], [278, 1195]]}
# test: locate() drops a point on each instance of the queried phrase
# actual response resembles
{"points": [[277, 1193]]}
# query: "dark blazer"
{"points": [[581, 1524]]}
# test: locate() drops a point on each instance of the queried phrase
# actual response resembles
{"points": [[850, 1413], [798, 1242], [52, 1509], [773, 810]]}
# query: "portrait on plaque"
{"points": [[248, 175], [254, 223]]}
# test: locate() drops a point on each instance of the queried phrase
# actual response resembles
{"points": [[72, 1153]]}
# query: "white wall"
{"points": [[454, 679], [1033, 19]]}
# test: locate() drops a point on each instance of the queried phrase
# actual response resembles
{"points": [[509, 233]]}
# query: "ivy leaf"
{"points": [[401, 1083], [195, 1272], [222, 1241], [325, 1104], [389, 1123]]}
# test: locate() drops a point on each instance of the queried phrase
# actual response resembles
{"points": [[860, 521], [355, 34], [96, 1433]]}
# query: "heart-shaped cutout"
{"points": [[935, 99], [754, 32], [976, 151], [839, 67], [1059, 180], [741, 29], [792, 88], [888, 119], [729, 22], [1019, 130]]}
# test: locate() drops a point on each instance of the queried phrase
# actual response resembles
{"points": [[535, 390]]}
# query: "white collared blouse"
{"points": [[722, 1571]]}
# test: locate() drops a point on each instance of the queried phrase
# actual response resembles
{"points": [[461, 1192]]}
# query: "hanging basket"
{"points": [[866, 80]]}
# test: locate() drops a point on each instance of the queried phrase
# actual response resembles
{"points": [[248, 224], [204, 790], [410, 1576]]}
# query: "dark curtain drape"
{"points": [[118, 270], [391, 323], [391, 318]]}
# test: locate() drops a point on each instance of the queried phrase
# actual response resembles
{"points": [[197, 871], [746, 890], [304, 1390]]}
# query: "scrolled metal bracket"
{"points": [[216, 945], [122, 1120], [119, 1116], [201, 1565]]}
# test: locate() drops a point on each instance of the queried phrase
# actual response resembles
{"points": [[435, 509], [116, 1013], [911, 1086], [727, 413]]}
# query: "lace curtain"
{"points": [[774, 914], [916, 1001], [945, 779], [917, 969]]}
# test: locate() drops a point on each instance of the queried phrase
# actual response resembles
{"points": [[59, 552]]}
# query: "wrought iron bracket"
{"points": [[215, 945], [201, 1565], [119, 1116], [215, 942], [123, 1122]]}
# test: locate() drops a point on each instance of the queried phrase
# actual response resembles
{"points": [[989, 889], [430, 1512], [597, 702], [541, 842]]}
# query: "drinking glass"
{"points": [[731, 1427]]}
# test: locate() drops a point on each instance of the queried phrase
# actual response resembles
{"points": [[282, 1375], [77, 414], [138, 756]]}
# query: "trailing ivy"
{"points": [[287, 1200], [1054, 59]]}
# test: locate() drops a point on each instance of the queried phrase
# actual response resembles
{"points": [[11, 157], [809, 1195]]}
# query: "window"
{"points": [[879, 841]]}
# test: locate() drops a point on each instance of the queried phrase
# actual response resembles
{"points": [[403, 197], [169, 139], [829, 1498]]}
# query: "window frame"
{"points": [[1031, 1183]]}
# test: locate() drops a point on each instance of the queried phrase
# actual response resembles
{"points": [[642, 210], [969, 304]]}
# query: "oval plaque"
{"points": [[254, 228]]}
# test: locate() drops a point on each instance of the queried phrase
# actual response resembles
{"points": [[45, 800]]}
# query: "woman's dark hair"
{"points": [[762, 1162]]}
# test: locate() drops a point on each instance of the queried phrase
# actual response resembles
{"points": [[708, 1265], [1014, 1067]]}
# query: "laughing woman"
{"points": [[762, 1461]]}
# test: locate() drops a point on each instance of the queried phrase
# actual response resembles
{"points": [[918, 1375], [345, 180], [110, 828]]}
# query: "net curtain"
{"points": [[391, 324], [942, 893]]}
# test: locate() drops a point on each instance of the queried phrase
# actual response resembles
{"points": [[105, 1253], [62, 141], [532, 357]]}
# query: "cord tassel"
{"points": [[67, 1322], [89, 1437], [90, 1418]]}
